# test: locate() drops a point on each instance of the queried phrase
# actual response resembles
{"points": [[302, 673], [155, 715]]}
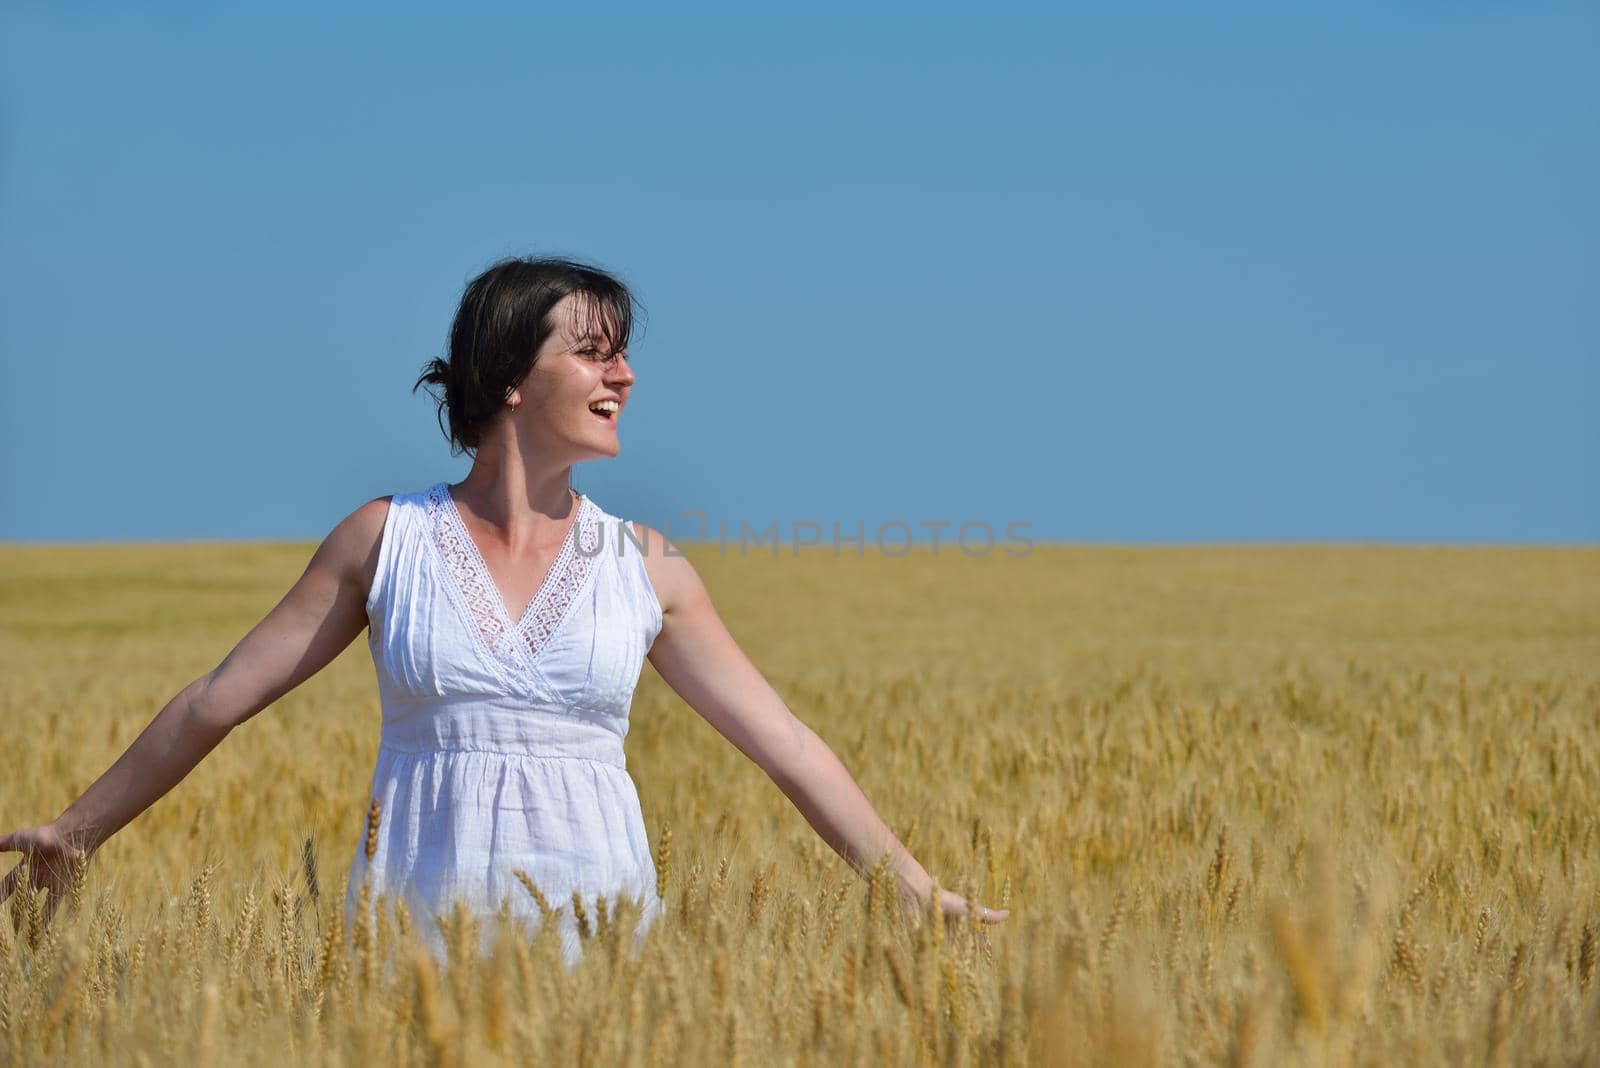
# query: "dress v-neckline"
{"points": [[479, 598], [540, 593]]}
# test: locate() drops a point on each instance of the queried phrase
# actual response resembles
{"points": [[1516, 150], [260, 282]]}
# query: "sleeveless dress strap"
{"points": [[389, 551], [632, 552]]}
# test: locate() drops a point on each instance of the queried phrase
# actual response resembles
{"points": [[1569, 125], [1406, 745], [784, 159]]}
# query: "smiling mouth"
{"points": [[606, 410]]}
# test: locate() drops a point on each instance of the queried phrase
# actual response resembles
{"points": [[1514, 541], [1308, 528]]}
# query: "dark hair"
{"points": [[503, 318]]}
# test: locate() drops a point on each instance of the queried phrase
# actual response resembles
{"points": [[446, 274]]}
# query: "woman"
{"points": [[508, 620]]}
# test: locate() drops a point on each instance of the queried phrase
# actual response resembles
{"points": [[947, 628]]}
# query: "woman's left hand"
{"points": [[956, 907]]}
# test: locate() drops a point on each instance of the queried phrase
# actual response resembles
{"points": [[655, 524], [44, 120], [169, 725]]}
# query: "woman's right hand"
{"points": [[320, 615], [51, 857]]}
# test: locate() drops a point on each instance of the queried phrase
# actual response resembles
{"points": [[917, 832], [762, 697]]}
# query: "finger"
{"points": [[20, 909], [25, 875], [993, 915], [59, 870], [9, 883], [52, 902], [954, 906]]}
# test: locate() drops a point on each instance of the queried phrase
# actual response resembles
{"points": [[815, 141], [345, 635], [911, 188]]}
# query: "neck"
{"points": [[516, 496]]}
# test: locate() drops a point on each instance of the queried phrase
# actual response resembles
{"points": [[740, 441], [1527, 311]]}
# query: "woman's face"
{"points": [[573, 373]]}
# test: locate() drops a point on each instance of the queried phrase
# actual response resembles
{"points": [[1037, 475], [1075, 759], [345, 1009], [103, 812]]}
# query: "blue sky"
{"points": [[1240, 273]]}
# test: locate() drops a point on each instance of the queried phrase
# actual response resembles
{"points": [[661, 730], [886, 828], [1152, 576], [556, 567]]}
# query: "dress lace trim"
{"points": [[550, 604]]}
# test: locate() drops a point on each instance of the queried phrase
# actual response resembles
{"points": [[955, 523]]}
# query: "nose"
{"points": [[618, 372]]}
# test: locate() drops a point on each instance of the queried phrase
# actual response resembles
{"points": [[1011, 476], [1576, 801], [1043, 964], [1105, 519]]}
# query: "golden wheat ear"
{"points": [[308, 865], [374, 819]]}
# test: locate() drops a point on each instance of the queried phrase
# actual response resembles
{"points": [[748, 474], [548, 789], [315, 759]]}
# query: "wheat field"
{"points": [[1256, 805]]}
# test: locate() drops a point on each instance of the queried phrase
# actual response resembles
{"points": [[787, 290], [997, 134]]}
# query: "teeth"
{"points": [[609, 406]]}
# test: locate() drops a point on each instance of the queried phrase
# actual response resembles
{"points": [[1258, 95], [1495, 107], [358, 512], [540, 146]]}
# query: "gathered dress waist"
{"points": [[494, 725]]}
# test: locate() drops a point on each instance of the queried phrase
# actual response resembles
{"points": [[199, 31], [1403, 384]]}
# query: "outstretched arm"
{"points": [[319, 616], [700, 660]]}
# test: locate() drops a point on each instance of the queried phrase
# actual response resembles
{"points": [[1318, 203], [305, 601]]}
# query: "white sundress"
{"points": [[501, 743]]}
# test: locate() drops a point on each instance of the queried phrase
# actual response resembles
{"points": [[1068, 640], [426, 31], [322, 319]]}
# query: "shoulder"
{"points": [[675, 580], [351, 548], [646, 535], [366, 523], [374, 512]]}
